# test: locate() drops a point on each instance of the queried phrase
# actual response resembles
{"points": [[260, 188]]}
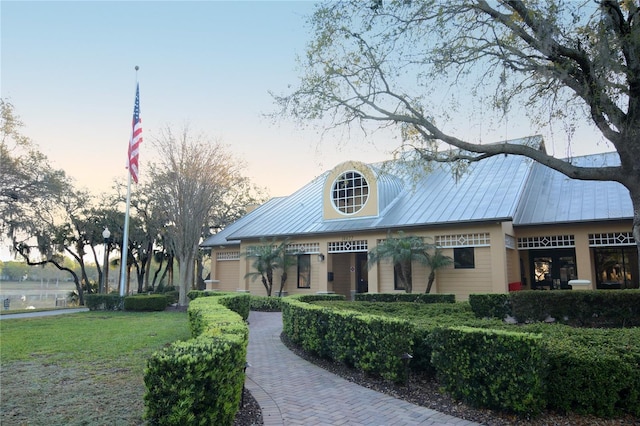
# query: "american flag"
{"points": [[136, 137]]}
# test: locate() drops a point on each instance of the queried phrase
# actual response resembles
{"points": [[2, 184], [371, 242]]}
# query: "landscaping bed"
{"points": [[424, 391]]}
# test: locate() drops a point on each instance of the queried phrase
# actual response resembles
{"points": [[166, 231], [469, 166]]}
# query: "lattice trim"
{"points": [[464, 240], [228, 255], [611, 239], [347, 246], [550, 241], [303, 248]]}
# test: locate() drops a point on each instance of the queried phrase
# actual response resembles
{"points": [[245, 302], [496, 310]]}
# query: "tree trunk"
{"points": [[266, 286], [185, 266], [432, 277], [283, 280], [405, 271]]}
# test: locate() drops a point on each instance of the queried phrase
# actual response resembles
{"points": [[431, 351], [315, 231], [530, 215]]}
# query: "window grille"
{"points": [[464, 240], [350, 192], [228, 255], [611, 239], [347, 246], [550, 241]]}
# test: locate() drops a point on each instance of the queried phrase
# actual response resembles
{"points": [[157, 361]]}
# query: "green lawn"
{"points": [[80, 369]]}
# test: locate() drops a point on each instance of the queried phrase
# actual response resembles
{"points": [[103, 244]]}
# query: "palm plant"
{"points": [[401, 251], [435, 260], [268, 257]]}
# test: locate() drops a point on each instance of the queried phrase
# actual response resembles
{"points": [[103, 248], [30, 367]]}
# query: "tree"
{"points": [[401, 250], [559, 60], [27, 181], [435, 260], [193, 177], [268, 257], [13, 271]]}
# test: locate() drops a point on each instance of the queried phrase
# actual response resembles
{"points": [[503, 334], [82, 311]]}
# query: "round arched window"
{"points": [[349, 192]]}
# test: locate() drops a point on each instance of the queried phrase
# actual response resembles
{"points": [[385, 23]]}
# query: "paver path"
{"points": [[292, 391]]}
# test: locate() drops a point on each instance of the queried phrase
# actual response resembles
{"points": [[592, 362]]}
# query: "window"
{"points": [[463, 258], [616, 267], [398, 284], [304, 271], [350, 192]]}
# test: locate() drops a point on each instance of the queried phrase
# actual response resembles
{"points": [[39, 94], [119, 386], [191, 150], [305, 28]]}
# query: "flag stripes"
{"points": [[136, 138]]}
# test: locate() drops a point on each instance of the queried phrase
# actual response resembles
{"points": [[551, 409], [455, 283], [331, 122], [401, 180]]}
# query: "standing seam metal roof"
{"points": [[502, 187]]}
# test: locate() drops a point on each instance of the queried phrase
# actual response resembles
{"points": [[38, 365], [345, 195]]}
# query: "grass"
{"points": [[81, 369]]}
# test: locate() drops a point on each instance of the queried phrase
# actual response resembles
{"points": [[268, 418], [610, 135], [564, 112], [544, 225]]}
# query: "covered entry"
{"points": [[348, 260]]}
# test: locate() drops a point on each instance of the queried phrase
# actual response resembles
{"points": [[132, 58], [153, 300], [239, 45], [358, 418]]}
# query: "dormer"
{"points": [[355, 190]]}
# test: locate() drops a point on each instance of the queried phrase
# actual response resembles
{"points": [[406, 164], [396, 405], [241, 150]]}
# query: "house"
{"points": [[509, 223]]}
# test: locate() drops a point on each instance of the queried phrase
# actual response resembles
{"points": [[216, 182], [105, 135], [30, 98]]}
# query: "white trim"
{"points": [[549, 241], [611, 239], [303, 248], [347, 246], [464, 240], [358, 201], [228, 255]]}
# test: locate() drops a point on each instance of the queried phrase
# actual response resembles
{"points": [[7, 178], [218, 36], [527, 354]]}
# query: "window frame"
{"points": [[303, 272], [464, 258], [350, 192]]}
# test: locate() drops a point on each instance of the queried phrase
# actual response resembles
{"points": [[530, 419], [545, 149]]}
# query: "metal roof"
{"points": [[551, 197], [502, 187]]}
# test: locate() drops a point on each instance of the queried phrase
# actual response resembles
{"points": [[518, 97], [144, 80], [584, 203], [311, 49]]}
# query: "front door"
{"points": [[362, 273], [552, 268]]}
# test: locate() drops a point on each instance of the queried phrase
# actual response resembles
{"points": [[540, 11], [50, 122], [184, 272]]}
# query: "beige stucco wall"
{"points": [[495, 265]]}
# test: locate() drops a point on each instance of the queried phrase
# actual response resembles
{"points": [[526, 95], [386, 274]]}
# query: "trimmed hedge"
{"points": [[306, 298], [196, 382], [405, 297], [200, 381], [590, 309], [266, 304], [593, 371], [153, 302], [371, 343], [103, 302], [589, 371], [491, 368], [492, 305]]}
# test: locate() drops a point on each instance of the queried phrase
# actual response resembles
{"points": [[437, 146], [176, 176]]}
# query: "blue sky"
{"points": [[68, 68]]}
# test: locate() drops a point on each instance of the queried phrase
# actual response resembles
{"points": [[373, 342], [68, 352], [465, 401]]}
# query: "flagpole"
{"points": [[125, 234], [125, 240]]}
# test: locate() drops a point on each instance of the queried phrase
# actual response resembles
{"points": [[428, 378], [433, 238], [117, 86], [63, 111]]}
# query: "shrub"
{"points": [[494, 305], [371, 343], [196, 382], [172, 296], [594, 371], [491, 368], [103, 302], [266, 304], [405, 297], [611, 308], [200, 381], [153, 302]]}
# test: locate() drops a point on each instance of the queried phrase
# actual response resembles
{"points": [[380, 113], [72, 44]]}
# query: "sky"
{"points": [[68, 69]]}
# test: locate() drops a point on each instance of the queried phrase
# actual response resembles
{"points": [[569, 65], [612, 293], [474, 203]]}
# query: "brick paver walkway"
{"points": [[292, 391]]}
